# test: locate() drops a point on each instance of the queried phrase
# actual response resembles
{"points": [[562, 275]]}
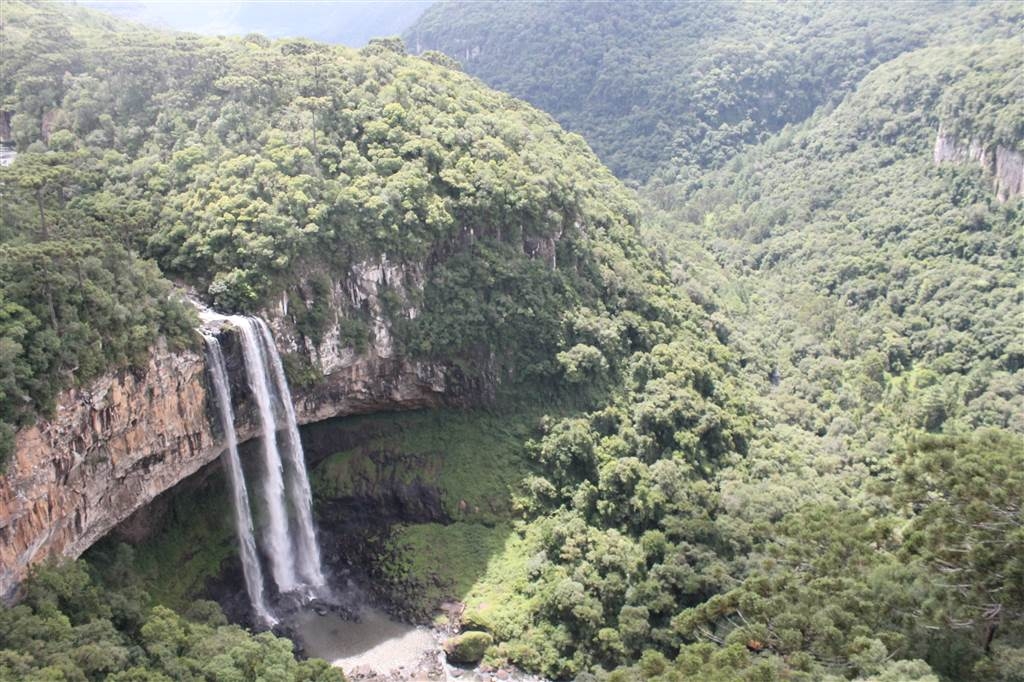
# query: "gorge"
{"points": [[735, 414], [129, 436]]}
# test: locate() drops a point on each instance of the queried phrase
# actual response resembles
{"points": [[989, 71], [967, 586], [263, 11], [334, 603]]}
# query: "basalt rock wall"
{"points": [[114, 445], [1005, 165]]}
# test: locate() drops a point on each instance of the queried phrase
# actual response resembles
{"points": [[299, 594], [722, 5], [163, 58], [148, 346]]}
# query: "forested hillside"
{"points": [[674, 88], [244, 170], [249, 170], [853, 261], [872, 299], [783, 381]]}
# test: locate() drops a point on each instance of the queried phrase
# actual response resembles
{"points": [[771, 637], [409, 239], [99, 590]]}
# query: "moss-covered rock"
{"points": [[476, 620], [469, 647]]}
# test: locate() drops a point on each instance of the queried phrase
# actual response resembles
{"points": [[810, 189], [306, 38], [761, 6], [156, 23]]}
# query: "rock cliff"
{"points": [[1005, 165], [112, 446]]}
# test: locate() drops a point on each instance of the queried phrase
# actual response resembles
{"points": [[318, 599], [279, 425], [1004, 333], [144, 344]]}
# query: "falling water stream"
{"points": [[243, 514], [288, 537], [298, 481], [277, 540]]}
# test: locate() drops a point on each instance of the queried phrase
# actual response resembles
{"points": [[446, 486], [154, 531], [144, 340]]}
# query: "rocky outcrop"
{"points": [[1005, 165], [110, 448], [113, 446]]}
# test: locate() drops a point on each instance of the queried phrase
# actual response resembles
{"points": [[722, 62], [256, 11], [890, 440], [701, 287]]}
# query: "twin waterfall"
{"points": [[288, 537]]}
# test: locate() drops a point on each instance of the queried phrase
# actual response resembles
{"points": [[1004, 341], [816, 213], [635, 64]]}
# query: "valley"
{"points": [[701, 361]]}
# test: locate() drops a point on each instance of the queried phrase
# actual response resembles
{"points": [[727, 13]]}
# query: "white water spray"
{"points": [[308, 563], [243, 514], [276, 536]]}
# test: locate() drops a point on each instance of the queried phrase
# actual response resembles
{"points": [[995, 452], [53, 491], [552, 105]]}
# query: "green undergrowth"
{"points": [[195, 537], [477, 461], [485, 567], [473, 458]]}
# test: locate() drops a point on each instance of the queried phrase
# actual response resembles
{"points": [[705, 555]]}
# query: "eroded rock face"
{"points": [[1005, 165], [113, 446], [110, 447]]}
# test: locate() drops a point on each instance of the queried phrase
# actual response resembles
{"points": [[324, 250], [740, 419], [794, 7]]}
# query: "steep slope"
{"points": [[774, 484], [874, 296], [865, 267], [857, 258], [871, 297], [359, 196], [392, 218], [676, 87]]}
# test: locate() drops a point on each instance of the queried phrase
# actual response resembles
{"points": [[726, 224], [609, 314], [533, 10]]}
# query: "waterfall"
{"points": [[276, 536], [298, 481], [288, 536], [243, 515]]}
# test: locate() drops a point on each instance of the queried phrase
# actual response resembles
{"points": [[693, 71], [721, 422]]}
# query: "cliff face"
{"points": [[116, 444], [1005, 165]]}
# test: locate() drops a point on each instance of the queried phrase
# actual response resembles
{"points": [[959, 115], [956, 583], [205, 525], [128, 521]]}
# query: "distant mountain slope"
{"points": [[875, 285], [684, 85]]}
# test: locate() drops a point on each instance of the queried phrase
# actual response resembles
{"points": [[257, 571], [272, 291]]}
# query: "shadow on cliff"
{"points": [[416, 507], [412, 509]]}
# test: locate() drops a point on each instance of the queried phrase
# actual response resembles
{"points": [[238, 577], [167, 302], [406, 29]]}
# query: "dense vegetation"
{"points": [[248, 169], [673, 88], [70, 626], [868, 298], [785, 436]]}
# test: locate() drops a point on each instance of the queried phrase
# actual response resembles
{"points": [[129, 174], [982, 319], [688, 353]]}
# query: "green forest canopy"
{"points": [[674, 88], [868, 297], [803, 393], [243, 167]]}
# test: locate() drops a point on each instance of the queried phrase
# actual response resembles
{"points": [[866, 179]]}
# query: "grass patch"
{"points": [[474, 458]]}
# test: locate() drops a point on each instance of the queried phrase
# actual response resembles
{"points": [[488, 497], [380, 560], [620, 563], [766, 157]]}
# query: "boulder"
{"points": [[475, 620], [468, 647]]}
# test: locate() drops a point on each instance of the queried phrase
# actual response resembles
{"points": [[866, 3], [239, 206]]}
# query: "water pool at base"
{"points": [[374, 641]]}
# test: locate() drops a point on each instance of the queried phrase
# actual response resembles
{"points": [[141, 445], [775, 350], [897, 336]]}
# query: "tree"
{"points": [[966, 494]]}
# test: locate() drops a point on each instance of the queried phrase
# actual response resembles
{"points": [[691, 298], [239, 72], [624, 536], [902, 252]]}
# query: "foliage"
{"points": [[71, 627], [260, 171], [71, 309], [796, 453], [687, 528], [969, 529], [673, 88], [192, 536]]}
